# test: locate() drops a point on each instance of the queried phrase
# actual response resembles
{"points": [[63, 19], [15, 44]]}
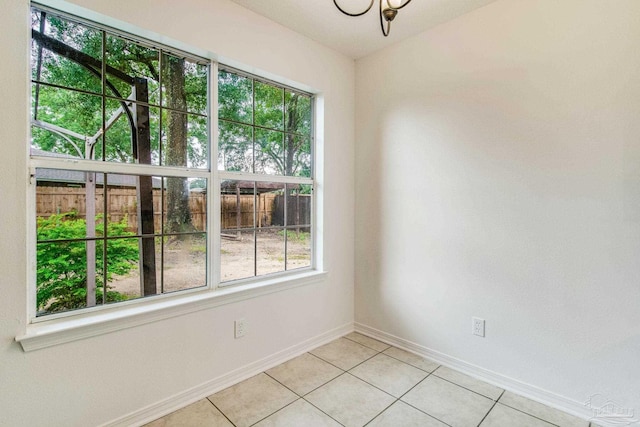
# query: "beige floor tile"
{"points": [[448, 402], [544, 412], [299, 413], [481, 387], [252, 400], [367, 341], [412, 359], [503, 416], [350, 401], [401, 414], [199, 414], [304, 373], [344, 353], [389, 374]]}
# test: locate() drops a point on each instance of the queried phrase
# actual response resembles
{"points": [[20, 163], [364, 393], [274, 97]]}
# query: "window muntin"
{"points": [[131, 215]]}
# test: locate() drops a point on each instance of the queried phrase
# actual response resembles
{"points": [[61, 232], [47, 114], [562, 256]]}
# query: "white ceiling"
{"points": [[358, 37]]}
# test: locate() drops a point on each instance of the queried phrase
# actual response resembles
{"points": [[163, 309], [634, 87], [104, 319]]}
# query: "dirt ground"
{"points": [[185, 261]]}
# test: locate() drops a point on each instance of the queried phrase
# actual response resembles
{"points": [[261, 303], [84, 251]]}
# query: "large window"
{"points": [[265, 163], [121, 165]]}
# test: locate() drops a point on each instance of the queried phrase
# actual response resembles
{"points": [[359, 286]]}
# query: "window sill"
{"points": [[59, 331]]}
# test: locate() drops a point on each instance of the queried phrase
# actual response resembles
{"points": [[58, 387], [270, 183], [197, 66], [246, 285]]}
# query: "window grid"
{"points": [[287, 182], [210, 174], [59, 164]]}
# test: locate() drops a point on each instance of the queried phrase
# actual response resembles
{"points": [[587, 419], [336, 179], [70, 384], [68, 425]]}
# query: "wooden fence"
{"points": [[122, 202]]}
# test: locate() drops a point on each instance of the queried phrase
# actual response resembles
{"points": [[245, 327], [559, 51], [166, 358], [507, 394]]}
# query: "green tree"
{"points": [[176, 84]]}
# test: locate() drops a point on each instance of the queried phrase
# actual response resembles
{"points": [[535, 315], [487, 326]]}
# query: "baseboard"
{"points": [[187, 397], [523, 389]]}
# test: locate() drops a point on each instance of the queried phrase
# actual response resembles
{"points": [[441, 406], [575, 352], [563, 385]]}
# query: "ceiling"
{"points": [[320, 20]]}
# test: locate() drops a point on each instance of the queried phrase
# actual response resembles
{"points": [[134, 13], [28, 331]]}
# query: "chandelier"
{"points": [[387, 12]]}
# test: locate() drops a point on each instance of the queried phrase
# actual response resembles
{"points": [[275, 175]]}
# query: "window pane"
{"points": [[298, 247], [268, 195], [298, 113], [135, 61], [66, 118], [269, 108], [185, 208], [62, 276], [55, 42], [64, 199], [299, 200], [270, 251], [235, 97], [123, 269], [235, 147], [184, 262], [237, 256], [125, 203], [237, 206], [185, 140], [269, 152], [121, 133], [298, 155], [269, 240], [184, 84]]}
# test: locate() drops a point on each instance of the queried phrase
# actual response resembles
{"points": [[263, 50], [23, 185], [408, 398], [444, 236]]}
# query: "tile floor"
{"points": [[357, 381]]}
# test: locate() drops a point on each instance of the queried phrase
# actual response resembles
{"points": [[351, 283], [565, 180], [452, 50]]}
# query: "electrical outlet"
{"points": [[477, 326], [240, 328]]}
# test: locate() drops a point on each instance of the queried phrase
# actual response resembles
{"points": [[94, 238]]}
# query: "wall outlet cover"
{"points": [[477, 326]]}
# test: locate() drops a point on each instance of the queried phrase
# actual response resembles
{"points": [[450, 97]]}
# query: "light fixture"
{"points": [[387, 12]]}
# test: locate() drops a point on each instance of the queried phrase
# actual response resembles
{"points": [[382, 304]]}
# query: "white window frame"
{"points": [[55, 329]]}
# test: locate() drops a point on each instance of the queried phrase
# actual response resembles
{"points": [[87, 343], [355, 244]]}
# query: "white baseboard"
{"points": [[187, 397], [523, 389]]}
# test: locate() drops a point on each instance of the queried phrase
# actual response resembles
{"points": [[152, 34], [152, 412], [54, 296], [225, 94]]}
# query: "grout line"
{"points": [[380, 413], [418, 409], [358, 342], [531, 415], [320, 409], [490, 409], [468, 389], [411, 364], [275, 412], [282, 384], [220, 410], [372, 385], [346, 370]]}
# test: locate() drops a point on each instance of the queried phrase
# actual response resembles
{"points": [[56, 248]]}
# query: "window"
{"points": [[265, 164], [122, 175], [120, 160]]}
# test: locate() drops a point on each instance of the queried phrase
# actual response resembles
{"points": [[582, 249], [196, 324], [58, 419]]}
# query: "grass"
{"points": [[292, 236]]}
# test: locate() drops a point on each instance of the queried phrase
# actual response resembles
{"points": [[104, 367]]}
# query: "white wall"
{"points": [[96, 380], [498, 175]]}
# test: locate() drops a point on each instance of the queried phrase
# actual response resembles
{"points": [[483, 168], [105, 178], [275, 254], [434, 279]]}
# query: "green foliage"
{"points": [[62, 265], [82, 113], [281, 141]]}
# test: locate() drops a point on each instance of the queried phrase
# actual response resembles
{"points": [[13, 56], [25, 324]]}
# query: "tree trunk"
{"points": [[178, 212], [290, 140]]}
